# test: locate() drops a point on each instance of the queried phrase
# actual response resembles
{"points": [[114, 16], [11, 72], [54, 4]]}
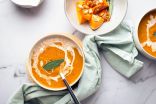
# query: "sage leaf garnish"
{"points": [[53, 64], [154, 34]]}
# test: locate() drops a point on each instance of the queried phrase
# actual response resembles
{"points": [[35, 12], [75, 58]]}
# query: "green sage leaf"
{"points": [[154, 34], [53, 64]]}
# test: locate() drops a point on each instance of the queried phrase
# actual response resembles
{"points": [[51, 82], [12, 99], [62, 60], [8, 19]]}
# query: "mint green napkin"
{"points": [[118, 49]]}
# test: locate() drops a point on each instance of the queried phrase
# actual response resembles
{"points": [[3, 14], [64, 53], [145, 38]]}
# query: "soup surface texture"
{"points": [[147, 33], [56, 48]]}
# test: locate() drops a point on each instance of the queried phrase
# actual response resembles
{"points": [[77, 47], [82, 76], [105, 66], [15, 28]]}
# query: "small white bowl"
{"points": [[136, 39], [27, 3], [118, 14]]}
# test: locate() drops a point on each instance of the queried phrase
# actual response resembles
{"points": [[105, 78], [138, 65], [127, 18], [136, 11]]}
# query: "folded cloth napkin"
{"points": [[118, 49]]}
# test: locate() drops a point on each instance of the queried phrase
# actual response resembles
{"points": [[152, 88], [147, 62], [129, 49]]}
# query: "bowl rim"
{"points": [[125, 12], [136, 38], [73, 39]]}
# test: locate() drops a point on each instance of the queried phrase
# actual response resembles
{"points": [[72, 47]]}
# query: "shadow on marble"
{"points": [[78, 34], [148, 71]]}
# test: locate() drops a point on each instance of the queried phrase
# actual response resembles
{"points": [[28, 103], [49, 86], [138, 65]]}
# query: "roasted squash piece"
{"points": [[80, 17], [105, 15], [79, 8], [87, 14], [93, 11], [105, 2], [99, 8], [90, 3], [96, 21]]}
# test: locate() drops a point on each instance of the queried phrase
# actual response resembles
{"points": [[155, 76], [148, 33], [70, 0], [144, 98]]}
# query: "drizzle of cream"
{"points": [[148, 42], [41, 63], [67, 46]]}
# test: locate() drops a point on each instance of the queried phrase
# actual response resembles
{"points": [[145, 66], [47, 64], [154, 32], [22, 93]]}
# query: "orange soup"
{"points": [[147, 33], [66, 57]]}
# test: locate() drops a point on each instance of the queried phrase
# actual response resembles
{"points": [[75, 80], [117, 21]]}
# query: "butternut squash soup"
{"points": [[147, 33], [54, 55]]}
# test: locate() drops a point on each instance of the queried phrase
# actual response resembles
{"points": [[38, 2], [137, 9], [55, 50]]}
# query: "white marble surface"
{"points": [[20, 28]]}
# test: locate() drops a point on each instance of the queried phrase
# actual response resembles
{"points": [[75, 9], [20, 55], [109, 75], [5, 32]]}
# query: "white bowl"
{"points": [[27, 3], [68, 36], [118, 14], [136, 39]]}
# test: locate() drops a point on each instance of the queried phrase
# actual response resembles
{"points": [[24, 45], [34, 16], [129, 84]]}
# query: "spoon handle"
{"points": [[71, 92]]}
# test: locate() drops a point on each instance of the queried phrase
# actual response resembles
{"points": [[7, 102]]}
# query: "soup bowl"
{"points": [[52, 47], [140, 29]]}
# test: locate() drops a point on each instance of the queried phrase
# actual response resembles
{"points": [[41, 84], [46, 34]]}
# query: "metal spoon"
{"points": [[76, 101]]}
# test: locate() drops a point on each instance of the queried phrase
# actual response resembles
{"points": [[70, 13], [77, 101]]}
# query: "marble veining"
{"points": [[148, 97], [3, 67]]}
